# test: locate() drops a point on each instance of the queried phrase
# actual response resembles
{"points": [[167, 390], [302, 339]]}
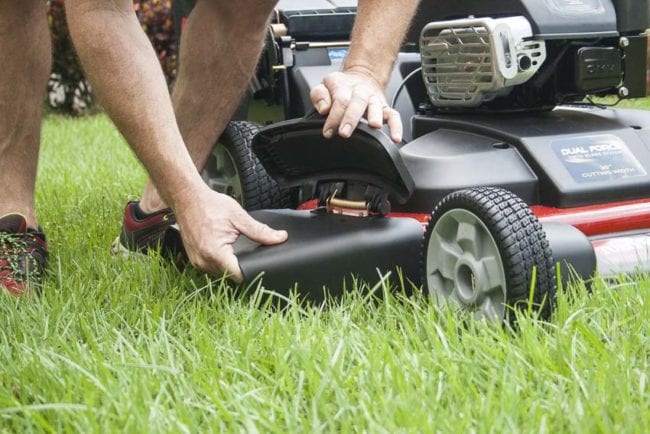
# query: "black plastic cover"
{"points": [[327, 250], [580, 156], [295, 152], [598, 68], [445, 160], [572, 250], [549, 18], [633, 15], [636, 66], [318, 19]]}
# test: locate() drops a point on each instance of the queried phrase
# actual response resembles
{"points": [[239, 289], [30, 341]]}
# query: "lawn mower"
{"points": [[514, 175]]}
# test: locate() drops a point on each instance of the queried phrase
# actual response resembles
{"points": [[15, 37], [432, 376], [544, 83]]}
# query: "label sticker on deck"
{"points": [[338, 53], [576, 7], [597, 158]]}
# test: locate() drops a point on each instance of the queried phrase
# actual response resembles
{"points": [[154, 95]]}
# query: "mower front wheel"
{"points": [[484, 251], [234, 169]]}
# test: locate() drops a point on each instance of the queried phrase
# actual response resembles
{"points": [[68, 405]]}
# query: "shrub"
{"points": [[68, 90], [156, 19]]}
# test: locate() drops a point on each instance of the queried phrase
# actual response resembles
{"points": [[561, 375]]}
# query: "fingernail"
{"points": [[322, 106], [329, 133], [346, 131], [280, 236]]}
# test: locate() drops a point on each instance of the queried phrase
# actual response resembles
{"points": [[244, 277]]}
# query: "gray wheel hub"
{"points": [[464, 268], [221, 173]]}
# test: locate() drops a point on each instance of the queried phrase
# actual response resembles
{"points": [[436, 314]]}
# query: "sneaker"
{"points": [[23, 255], [157, 231]]}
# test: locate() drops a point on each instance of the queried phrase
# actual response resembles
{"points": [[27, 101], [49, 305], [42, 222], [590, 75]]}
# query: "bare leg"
{"points": [[220, 47], [124, 72], [26, 53]]}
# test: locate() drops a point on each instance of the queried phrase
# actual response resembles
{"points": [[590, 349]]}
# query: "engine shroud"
{"points": [[470, 61]]}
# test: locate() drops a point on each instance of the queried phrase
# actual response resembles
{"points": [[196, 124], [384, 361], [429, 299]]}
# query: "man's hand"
{"points": [[211, 223], [347, 97]]}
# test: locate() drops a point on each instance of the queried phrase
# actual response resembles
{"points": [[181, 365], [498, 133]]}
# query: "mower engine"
{"points": [[550, 53], [471, 61]]}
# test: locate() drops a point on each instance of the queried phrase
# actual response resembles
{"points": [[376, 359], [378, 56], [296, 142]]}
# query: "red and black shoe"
{"points": [[23, 255], [142, 233]]}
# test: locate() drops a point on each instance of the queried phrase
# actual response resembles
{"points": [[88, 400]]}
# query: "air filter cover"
{"points": [[470, 61]]}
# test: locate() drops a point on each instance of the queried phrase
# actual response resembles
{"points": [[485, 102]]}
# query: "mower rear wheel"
{"points": [[233, 169], [483, 252]]}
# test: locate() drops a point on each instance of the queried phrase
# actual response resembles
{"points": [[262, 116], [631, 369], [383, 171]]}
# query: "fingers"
{"points": [[229, 265], [376, 112], [244, 224], [259, 232], [217, 260], [340, 104], [354, 111], [350, 102], [320, 98], [338, 97], [345, 99], [394, 122], [209, 232]]}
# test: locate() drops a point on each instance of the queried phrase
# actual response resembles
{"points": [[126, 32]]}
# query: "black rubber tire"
{"points": [[258, 189], [521, 243]]}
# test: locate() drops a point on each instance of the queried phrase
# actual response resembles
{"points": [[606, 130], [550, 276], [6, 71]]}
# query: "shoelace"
{"points": [[22, 255]]}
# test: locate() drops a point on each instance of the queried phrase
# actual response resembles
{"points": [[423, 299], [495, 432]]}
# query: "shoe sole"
{"points": [[119, 249]]}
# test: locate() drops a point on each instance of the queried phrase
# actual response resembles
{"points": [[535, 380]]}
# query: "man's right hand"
{"points": [[210, 224], [344, 97]]}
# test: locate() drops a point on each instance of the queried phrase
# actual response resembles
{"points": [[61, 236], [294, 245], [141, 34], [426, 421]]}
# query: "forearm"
{"points": [[127, 78], [377, 36]]}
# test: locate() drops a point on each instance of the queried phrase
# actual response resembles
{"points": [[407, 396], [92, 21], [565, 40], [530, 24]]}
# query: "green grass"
{"points": [[115, 345], [641, 103]]}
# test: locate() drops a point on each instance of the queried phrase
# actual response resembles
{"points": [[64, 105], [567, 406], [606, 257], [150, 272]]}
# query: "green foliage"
{"points": [[68, 90], [156, 19], [131, 345]]}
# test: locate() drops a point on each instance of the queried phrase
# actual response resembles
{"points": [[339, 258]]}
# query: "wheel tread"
{"points": [[259, 190], [520, 239]]}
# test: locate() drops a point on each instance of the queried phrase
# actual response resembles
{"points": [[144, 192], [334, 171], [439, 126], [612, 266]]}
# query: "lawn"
{"points": [[119, 345]]}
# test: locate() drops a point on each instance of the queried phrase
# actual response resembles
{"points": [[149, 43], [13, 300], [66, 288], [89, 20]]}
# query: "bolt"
{"points": [[624, 42], [623, 92]]}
